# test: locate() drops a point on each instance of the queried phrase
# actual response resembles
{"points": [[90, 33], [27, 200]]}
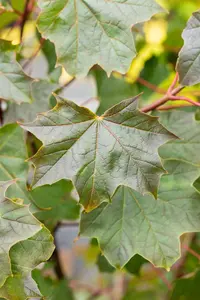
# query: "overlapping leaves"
{"points": [[139, 224], [41, 93], [187, 288], [17, 224], [58, 206], [15, 85], [53, 289], [112, 90], [7, 14], [89, 32], [13, 154], [98, 153], [25, 256]]}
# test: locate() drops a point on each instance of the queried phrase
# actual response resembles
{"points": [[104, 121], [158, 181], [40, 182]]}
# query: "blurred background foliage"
{"points": [[90, 276]]}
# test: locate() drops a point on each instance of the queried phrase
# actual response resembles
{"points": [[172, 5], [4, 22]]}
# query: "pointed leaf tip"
{"points": [[96, 153]]}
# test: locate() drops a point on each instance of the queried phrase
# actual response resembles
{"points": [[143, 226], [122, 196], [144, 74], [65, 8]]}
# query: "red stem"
{"points": [[151, 86], [191, 251], [161, 101], [34, 54], [173, 85], [170, 95], [185, 99], [168, 107], [162, 276]]}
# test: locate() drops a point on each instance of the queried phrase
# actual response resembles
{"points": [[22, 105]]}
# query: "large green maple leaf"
{"points": [[189, 56], [17, 224], [88, 32], [133, 223], [136, 224], [98, 153]]}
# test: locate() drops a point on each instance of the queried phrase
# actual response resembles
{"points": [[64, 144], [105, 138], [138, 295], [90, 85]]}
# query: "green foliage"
{"points": [[93, 32], [103, 265], [187, 288], [112, 90], [98, 165], [60, 205], [7, 15], [15, 85], [41, 93], [20, 285], [189, 58], [52, 289], [12, 162], [17, 224], [131, 179], [130, 214], [135, 263], [159, 222]]}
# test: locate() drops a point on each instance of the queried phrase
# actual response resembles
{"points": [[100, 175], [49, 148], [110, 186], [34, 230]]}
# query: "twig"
{"points": [[31, 5], [162, 100], [173, 85], [84, 103], [168, 107], [27, 10], [24, 18], [172, 49], [185, 99], [179, 265], [19, 13], [170, 95], [68, 224], [151, 86], [60, 89], [14, 9], [55, 257], [162, 276], [191, 251], [15, 24], [27, 63]]}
